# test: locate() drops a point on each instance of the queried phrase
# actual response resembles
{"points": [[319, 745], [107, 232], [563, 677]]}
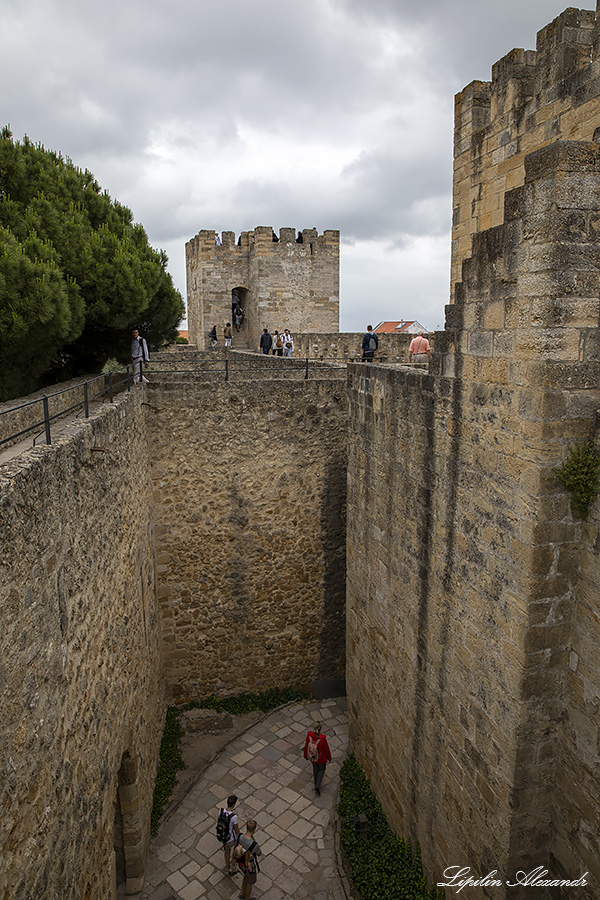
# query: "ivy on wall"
{"points": [[382, 864]]}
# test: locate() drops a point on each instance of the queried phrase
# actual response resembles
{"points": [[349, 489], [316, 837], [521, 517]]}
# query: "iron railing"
{"points": [[223, 369], [47, 417]]}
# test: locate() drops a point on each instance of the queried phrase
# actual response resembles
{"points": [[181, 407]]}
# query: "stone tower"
{"points": [[535, 97], [281, 283]]}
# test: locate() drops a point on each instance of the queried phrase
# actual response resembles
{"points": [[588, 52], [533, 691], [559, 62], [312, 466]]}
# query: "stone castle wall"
{"points": [[250, 500], [535, 97], [82, 700], [281, 285], [467, 626]]}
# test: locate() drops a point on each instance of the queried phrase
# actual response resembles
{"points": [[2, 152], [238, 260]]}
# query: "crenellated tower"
{"points": [[283, 281], [535, 97]]}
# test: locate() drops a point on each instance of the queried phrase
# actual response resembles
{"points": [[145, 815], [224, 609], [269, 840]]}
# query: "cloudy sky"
{"points": [[227, 115]]}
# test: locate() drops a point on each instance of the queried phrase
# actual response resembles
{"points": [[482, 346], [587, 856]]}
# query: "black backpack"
{"points": [[223, 825]]}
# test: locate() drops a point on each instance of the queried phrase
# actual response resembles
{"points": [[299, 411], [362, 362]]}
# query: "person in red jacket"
{"points": [[316, 749]]}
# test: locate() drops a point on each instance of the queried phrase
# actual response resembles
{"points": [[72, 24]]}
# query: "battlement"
{"points": [[286, 280], [262, 237], [535, 97]]}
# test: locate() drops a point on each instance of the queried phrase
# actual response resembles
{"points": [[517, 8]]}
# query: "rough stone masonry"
{"points": [[195, 517]]}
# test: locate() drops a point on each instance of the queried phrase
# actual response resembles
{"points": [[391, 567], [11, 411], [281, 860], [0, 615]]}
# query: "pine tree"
{"points": [[76, 274]]}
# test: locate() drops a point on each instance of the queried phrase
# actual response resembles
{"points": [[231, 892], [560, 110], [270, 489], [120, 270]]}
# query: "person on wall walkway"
{"points": [[227, 334], [370, 344], [212, 334], [139, 356], [288, 343], [316, 750], [419, 350], [266, 342]]}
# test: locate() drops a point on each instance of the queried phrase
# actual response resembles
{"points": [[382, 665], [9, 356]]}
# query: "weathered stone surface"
{"points": [[281, 284], [82, 695], [206, 721], [533, 99], [250, 505]]}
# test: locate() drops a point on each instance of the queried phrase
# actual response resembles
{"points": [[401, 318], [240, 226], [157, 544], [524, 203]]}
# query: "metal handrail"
{"points": [[228, 365], [46, 398]]}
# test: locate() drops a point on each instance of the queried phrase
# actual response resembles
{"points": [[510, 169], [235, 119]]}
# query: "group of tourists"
{"points": [[278, 343], [241, 849], [418, 352]]}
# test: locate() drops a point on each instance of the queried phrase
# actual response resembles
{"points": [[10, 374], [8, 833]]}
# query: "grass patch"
{"points": [[170, 759], [382, 864]]}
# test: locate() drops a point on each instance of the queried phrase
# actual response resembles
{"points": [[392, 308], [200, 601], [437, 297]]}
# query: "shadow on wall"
{"points": [[332, 639]]}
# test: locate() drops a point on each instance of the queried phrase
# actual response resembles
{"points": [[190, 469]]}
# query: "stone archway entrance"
{"points": [[241, 338]]}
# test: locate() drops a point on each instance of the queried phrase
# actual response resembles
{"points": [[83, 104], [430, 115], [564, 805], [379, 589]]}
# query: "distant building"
{"points": [[403, 326]]}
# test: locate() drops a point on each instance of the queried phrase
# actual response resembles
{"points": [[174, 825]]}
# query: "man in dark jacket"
{"points": [[266, 341], [369, 345]]}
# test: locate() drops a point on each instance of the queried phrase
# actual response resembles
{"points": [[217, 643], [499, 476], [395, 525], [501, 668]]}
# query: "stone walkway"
{"points": [[265, 768]]}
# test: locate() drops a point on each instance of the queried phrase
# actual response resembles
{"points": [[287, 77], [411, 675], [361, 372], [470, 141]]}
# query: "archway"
{"points": [[239, 296]]}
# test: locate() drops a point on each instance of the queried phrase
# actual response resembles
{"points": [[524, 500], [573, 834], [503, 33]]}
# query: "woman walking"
{"points": [[316, 750]]}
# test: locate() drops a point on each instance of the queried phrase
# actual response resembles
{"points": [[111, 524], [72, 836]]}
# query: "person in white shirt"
{"points": [[288, 343]]}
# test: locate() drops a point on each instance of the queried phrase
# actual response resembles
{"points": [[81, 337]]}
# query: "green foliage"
{"points": [[382, 864], [169, 763], [579, 475], [243, 703], [181, 340], [76, 275], [170, 759]]}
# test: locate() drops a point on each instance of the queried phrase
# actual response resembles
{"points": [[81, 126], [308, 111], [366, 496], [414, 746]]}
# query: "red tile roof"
{"points": [[392, 327]]}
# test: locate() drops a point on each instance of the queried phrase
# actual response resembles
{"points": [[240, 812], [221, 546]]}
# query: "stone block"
{"points": [[206, 721]]}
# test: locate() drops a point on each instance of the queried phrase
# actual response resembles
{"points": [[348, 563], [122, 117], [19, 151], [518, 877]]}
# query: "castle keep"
{"points": [[280, 284], [421, 507]]}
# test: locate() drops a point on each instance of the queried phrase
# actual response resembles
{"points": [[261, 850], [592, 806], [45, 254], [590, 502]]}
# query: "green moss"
{"points": [[382, 864], [579, 475]]}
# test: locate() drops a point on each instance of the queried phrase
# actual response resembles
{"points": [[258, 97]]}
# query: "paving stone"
{"points": [[265, 768], [177, 880], [192, 891], [286, 819], [167, 851], [283, 853], [274, 893]]}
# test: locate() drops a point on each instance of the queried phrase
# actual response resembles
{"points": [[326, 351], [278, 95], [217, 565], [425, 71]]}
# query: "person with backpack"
{"points": [[239, 317], [228, 831], [316, 751], [369, 345], [246, 853]]}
